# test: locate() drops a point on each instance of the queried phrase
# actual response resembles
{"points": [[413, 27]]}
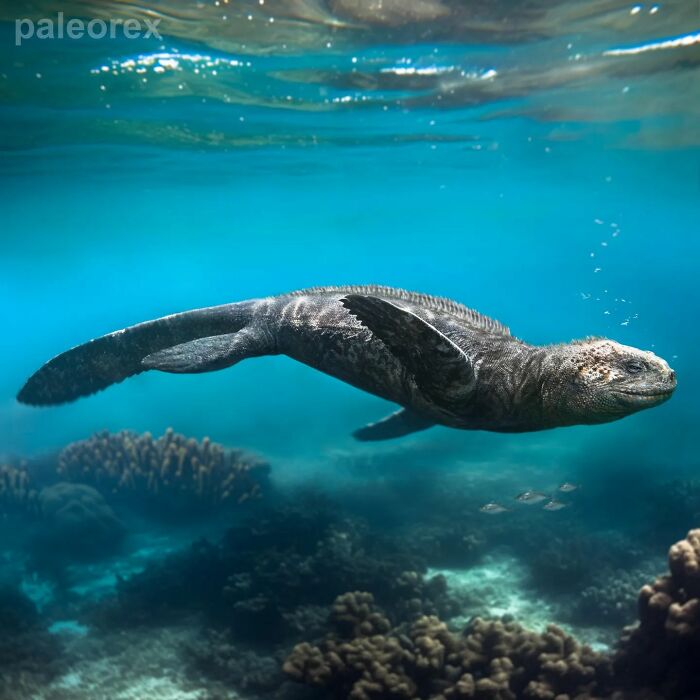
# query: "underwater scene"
{"points": [[404, 404]]}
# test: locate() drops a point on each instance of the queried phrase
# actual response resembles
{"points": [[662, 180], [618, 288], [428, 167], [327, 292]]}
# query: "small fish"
{"points": [[553, 505], [531, 497], [568, 487], [493, 508]]}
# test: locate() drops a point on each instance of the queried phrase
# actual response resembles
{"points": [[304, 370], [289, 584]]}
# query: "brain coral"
{"points": [[490, 660], [171, 465], [77, 524]]}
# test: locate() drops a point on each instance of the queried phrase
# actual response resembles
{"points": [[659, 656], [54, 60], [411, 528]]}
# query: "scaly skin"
{"points": [[517, 387], [520, 387]]}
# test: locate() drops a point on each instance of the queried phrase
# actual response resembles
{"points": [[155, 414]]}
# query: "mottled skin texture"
{"points": [[446, 364]]}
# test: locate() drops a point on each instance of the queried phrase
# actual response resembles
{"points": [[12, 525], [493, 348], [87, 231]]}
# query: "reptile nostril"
{"points": [[672, 376]]}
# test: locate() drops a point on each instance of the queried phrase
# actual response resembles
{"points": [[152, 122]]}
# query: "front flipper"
{"points": [[398, 424], [440, 368]]}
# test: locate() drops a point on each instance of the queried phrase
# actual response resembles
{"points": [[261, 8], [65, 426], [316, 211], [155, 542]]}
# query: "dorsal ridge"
{"points": [[427, 301]]}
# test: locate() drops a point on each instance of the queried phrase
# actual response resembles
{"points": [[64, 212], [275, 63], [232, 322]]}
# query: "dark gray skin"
{"points": [[442, 362]]}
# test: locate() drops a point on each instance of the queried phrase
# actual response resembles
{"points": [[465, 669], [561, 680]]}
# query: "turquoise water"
{"points": [[510, 160], [510, 232]]}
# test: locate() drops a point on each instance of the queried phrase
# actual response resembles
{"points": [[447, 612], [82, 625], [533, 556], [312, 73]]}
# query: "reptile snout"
{"points": [[671, 380]]}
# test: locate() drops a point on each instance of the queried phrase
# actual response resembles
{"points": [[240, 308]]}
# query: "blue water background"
{"points": [[98, 236]]}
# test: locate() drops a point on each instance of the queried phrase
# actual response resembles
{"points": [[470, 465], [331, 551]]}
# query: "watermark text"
{"points": [[60, 28]]}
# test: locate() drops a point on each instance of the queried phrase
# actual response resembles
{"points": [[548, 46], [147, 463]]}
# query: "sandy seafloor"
{"points": [[143, 664], [152, 657], [138, 664]]}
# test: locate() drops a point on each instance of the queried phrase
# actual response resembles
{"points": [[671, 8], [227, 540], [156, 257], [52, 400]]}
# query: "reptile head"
{"points": [[601, 380]]}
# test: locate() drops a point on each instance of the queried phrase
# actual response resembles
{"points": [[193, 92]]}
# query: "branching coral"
{"points": [[171, 465], [17, 493], [662, 652], [490, 661]]}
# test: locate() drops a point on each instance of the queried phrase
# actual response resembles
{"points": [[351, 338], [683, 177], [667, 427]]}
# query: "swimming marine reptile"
{"points": [[442, 362]]}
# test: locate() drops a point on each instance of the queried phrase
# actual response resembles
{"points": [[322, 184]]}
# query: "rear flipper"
{"points": [[209, 354], [398, 424], [112, 358]]}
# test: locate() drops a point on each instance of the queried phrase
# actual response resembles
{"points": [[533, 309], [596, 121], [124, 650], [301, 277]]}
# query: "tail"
{"points": [[97, 364]]}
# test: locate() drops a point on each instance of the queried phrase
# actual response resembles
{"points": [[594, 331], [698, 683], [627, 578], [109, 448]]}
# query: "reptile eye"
{"points": [[634, 367]]}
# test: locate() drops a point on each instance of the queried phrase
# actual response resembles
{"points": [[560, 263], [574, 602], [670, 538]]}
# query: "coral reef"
{"points": [[672, 507], [17, 492], [28, 653], [560, 565], [271, 579], [365, 658], [610, 599], [169, 467], [577, 559], [217, 656], [449, 543], [228, 611], [355, 615], [314, 568], [661, 653], [76, 525]]}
